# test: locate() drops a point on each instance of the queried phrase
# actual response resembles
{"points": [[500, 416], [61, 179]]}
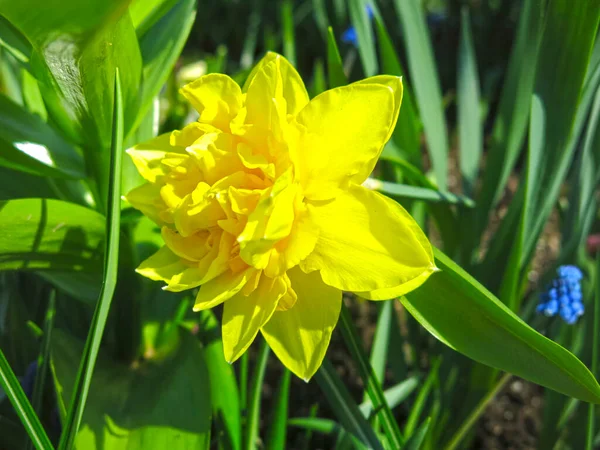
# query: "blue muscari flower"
{"points": [[349, 36], [563, 296]]}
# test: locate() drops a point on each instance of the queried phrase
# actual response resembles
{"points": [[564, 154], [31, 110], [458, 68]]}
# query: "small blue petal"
{"points": [[552, 293], [564, 300], [576, 296], [577, 308], [349, 36]]}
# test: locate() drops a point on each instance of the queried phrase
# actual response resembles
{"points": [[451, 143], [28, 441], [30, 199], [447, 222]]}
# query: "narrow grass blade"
{"points": [[476, 413], [510, 125], [469, 117], [419, 405], [394, 395], [13, 390], [423, 74], [249, 48], [343, 406], [592, 407], [43, 358], [325, 426], [385, 416], [359, 17], [277, 431], [111, 262], [416, 440], [320, 15], [319, 83], [408, 128], [253, 422], [418, 193], [335, 68], [287, 19]]}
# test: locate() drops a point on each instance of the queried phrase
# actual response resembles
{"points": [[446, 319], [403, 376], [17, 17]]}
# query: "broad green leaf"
{"points": [[335, 68], [343, 406], [469, 118], [461, 313], [152, 406], [28, 144], [50, 234], [81, 386], [145, 13], [13, 41], [160, 47], [15, 184], [423, 76], [361, 22], [76, 48]]}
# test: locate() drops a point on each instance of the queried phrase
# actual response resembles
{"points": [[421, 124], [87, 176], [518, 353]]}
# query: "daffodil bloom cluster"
{"points": [[261, 205]]}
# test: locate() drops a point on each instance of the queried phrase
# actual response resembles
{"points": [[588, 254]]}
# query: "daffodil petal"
{"points": [[147, 157], [293, 89], [395, 84], [216, 97], [368, 242], [243, 316], [342, 133], [300, 336], [146, 198], [164, 265], [221, 288]]}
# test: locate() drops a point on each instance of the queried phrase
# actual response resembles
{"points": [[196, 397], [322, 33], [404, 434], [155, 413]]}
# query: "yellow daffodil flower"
{"points": [[260, 203]]}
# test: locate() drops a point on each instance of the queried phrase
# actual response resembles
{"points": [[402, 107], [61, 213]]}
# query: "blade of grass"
{"points": [[277, 432], [416, 439], [359, 17], [249, 48], [418, 193], [469, 117], [426, 85], [13, 390], [386, 418], [344, 407], [394, 395], [258, 376], [476, 413], [287, 19], [111, 262], [419, 405], [335, 68], [591, 407], [43, 358]]}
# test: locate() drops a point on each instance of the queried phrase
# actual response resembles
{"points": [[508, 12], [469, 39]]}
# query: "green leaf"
{"points": [[364, 34], [461, 313], [28, 144], [324, 426], [591, 408], [423, 74], [160, 47], [287, 20], [49, 234], [419, 405], [277, 430], [335, 68], [373, 385], [11, 386], [152, 406], [145, 13], [394, 395], [76, 48], [469, 118], [223, 384], [408, 128], [417, 193], [343, 406], [111, 261], [510, 125], [253, 423], [415, 441], [13, 41]]}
